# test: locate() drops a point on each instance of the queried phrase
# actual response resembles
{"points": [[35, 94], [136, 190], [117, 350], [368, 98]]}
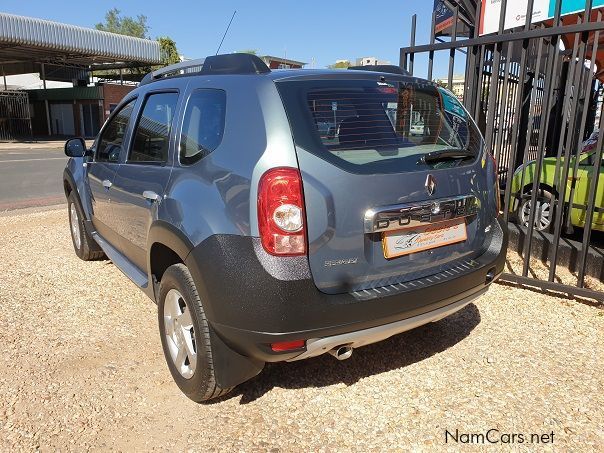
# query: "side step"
{"points": [[123, 264]]}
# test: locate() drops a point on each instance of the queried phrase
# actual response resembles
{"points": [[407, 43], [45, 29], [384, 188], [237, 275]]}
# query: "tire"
{"points": [[184, 330], [545, 203], [84, 245]]}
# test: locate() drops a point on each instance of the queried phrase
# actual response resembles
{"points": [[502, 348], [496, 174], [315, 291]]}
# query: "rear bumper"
{"points": [[253, 299], [356, 339]]}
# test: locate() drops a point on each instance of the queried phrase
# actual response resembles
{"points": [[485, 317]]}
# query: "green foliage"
{"points": [[137, 27], [115, 23], [340, 65], [169, 53], [250, 51]]}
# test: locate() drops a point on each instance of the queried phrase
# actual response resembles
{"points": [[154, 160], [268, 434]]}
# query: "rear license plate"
{"points": [[416, 239]]}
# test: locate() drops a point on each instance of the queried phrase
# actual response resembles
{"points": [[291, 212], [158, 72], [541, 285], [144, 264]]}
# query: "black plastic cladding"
{"points": [[287, 302]]}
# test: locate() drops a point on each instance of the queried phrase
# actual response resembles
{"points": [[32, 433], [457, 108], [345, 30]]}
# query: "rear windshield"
{"points": [[378, 126]]}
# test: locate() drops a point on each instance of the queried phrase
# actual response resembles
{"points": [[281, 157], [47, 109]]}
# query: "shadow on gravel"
{"points": [[396, 352]]}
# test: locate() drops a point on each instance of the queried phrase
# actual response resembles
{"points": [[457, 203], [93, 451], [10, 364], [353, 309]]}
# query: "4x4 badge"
{"points": [[430, 185]]}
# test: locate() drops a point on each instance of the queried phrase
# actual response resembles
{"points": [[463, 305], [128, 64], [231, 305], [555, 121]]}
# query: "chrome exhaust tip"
{"points": [[342, 352]]}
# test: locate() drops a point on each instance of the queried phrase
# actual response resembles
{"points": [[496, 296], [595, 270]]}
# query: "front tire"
{"points": [[84, 245], [185, 336]]}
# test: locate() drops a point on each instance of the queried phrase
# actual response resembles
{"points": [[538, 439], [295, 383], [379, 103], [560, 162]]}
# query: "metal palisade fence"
{"points": [[535, 89], [15, 121]]}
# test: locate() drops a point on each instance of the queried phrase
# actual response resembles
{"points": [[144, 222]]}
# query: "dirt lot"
{"points": [[82, 368]]}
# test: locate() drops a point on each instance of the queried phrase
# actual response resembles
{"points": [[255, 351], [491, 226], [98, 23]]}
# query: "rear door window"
{"points": [[377, 126], [152, 134]]}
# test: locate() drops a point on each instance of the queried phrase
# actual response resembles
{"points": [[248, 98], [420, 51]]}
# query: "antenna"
{"points": [[226, 31]]}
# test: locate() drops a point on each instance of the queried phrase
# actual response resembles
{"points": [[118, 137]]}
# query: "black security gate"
{"points": [[536, 93], [15, 121]]}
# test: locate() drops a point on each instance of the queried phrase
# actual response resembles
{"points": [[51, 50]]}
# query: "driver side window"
{"points": [[110, 143]]}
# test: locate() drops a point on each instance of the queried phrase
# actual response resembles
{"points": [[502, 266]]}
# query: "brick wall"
{"points": [[113, 94]]}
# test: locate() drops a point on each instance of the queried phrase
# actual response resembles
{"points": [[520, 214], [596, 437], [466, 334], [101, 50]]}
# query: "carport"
{"points": [[59, 52]]}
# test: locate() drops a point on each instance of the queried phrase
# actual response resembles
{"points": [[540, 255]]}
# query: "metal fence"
{"points": [[15, 120], [535, 94]]}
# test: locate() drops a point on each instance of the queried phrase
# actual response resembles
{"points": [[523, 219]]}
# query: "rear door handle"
{"points": [[107, 184], [150, 195]]}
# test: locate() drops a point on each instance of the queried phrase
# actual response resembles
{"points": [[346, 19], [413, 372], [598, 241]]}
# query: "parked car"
{"points": [[326, 129], [548, 190], [591, 142], [261, 240], [417, 129]]}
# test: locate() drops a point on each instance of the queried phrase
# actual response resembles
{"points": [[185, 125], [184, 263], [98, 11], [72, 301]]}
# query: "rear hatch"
{"points": [[395, 182]]}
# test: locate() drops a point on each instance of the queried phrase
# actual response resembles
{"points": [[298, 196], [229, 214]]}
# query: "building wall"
{"points": [[83, 117], [112, 95], [370, 61], [458, 86], [275, 65], [38, 118], [79, 111]]}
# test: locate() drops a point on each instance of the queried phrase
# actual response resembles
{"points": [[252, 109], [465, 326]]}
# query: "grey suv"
{"points": [[264, 236]]}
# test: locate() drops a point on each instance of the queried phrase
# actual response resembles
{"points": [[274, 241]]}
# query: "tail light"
{"points": [[281, 218]]}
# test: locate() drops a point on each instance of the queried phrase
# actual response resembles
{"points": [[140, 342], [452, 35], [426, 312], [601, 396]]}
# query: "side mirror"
{"points": [[75, 147]]}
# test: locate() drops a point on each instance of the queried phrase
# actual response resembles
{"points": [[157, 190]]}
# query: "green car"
{"points": [[521, 199]]}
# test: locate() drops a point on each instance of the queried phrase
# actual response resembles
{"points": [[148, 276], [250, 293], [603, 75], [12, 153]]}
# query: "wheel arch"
{"points": [[517, 197], [167, 245], [542, 186], [69, 184]]}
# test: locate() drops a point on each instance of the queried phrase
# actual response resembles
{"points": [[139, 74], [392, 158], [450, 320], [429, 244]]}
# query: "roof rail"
{"points": [[392, 69], [234, 63], [171, 69]]}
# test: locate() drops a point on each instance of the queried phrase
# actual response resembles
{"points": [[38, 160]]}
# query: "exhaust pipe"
{"points": [[342, 352]]}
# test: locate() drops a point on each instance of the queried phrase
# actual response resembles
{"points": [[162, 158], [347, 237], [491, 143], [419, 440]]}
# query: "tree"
{"points": [[114, 23], [344, 64], [250, 51], [137, 27], [169, 53]]}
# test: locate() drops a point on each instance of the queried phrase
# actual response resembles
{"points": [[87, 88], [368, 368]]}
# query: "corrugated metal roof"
{"points": [[56, 36]]}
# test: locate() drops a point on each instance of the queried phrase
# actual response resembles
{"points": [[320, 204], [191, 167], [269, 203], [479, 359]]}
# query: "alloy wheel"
{"points": [[74, 221], [180, 334], [543, 214]]}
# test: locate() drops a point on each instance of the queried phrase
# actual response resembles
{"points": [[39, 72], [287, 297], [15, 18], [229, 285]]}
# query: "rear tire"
{"points": [[185, 336], [84, 244], [545, 214]]}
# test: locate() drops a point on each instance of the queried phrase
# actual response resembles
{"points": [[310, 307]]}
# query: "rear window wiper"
{"points": [[446, 154]]}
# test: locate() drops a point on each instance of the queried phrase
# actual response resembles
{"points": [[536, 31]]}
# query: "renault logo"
{"points": [[430, 185]]}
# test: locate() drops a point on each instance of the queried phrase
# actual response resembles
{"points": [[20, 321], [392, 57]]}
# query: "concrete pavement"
{"points": [[34, 144], [31, 176]]}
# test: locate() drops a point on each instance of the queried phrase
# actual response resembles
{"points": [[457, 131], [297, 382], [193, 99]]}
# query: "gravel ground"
{"points": [[82, 368]]}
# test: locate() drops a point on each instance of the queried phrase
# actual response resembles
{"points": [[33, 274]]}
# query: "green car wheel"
{"points": [[544, 214]]}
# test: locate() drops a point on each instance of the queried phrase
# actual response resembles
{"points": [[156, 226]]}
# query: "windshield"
{"points": [[373, 125]]}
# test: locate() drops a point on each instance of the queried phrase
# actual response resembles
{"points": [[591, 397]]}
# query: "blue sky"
{"points": [[303, 30]]}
